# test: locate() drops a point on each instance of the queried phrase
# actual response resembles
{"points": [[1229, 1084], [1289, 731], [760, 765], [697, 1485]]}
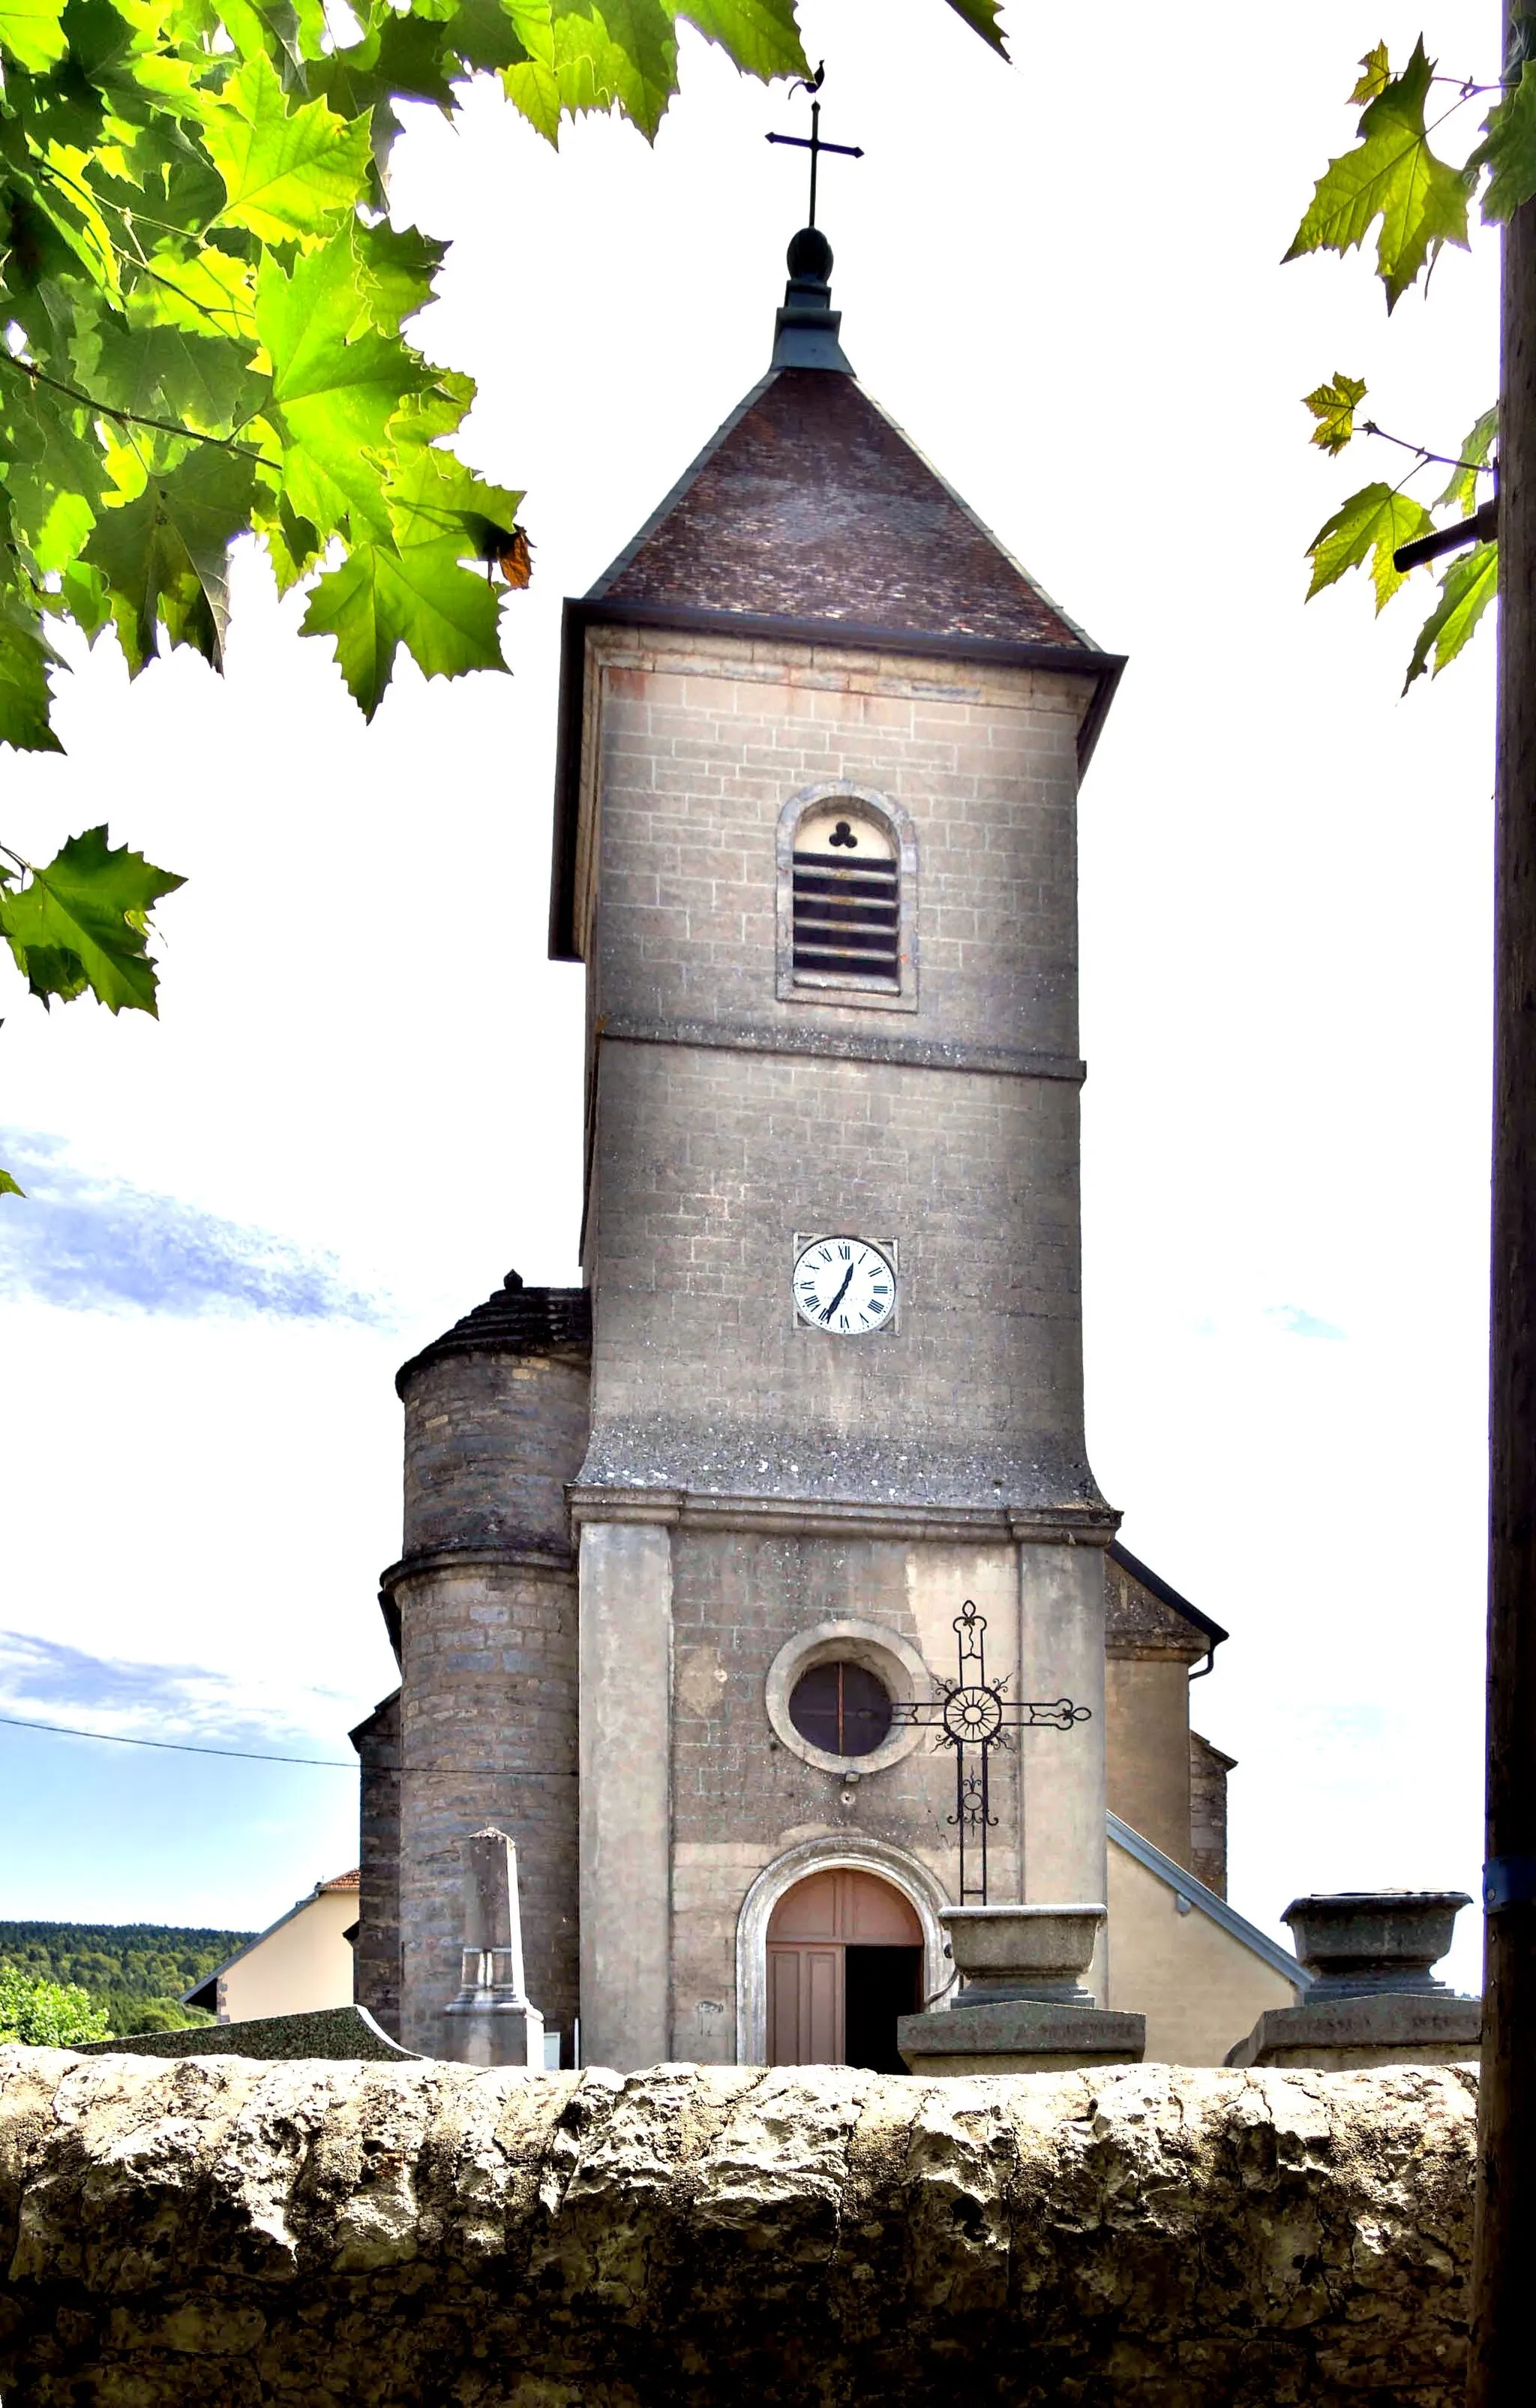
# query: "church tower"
{"points": [[816, 845], [691, 1550]]}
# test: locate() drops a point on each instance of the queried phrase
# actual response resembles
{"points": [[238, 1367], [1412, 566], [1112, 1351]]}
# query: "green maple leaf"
{"points": [[409, 54], [207, 291], [1334, 406], [88, 907], [534, 92], [287, 172], [166, 553], [25, 701], [53, 474], [1375, 75], [32, 35], [1393, 175], [633, 50], [333, 390], [1509, 148], [298, 30], [415, 591], [1466, 590], [1371, 525], [394, 272], [1461, 490], [200, 381], [490, 35], [982, 18], [761, 36], [434, 497], [563, 57]]}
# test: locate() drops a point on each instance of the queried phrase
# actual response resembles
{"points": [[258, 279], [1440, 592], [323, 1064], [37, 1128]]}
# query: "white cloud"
{"points": [[91, 1242]]}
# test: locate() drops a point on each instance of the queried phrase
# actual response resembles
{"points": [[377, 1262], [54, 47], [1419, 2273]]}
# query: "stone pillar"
{"points": [[1373, 1999], [1023, 2009], [626, 1793], [1061, 1773], [492, 2020]]}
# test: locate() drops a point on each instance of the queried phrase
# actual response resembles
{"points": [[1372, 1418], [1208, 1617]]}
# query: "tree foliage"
{"points": [[47, 2015], [203, 337], [1392, 183]]}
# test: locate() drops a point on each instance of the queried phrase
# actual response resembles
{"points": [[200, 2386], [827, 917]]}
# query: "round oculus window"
{"points": [[841, 1708]]}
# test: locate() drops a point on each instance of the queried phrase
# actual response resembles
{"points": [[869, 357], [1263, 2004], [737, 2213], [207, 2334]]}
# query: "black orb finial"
{"points": [[810, 255], [512, 1283]]}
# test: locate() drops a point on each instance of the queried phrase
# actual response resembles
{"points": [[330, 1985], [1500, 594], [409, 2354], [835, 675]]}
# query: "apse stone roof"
{"points": [[1144, 1613], [810, 503], [514, 1320]]}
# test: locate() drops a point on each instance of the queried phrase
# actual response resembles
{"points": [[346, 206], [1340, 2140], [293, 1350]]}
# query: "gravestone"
{"points": [[492, 2021]]}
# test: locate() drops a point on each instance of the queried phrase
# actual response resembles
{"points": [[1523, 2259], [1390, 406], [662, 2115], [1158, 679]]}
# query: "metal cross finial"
{"points": [[815, 145], [973, 1713]]}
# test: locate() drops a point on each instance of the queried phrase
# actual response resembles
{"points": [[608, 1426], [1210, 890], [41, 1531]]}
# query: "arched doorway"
{"points": [[844, 1958]]}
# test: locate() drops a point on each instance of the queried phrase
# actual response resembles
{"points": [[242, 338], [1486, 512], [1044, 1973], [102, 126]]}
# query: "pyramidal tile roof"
{"points": [[810, 503], [810, 509]]}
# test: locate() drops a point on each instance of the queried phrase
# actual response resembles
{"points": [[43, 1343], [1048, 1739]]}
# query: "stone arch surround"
{"points": [[848, 1851]]}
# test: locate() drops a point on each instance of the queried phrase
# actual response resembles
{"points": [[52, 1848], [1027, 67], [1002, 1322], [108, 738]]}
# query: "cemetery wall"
{"points": [[1153, 2237]]}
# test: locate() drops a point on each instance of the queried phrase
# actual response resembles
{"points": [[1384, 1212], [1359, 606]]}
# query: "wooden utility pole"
{"points": [[1505, 2254]]}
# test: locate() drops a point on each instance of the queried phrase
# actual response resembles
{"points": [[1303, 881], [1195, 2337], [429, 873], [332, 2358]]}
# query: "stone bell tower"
{"points": [[821, 739]]}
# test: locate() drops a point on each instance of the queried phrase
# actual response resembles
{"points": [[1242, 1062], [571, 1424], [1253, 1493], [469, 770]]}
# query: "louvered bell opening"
{"points": [[845, 920]]}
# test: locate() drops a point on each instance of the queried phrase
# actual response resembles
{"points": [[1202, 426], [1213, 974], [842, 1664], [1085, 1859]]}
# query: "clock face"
{"points": [[845, 1285]]}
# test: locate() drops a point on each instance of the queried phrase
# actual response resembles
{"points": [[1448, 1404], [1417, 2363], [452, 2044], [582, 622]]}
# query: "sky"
{"points": [[360, 1104]]}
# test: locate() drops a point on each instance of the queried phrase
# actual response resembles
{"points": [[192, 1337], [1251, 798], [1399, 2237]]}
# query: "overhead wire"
{"points": [[260, 1756]]}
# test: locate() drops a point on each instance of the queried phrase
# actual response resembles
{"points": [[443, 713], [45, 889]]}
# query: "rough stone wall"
{"points": [[404, 2237], [1208, 1770], [378, 1945]]}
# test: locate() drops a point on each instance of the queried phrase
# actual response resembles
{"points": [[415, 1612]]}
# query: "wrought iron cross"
{"points": [[815, 145], [972, 1715]]}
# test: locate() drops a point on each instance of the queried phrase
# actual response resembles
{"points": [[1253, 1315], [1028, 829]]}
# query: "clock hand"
{"points": [[841, 1294]]}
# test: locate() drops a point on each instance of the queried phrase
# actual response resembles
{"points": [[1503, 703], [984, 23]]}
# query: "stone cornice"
{"points": [[1087, 1526], [1153, 1651], [917, 1052], [523, 1557]]}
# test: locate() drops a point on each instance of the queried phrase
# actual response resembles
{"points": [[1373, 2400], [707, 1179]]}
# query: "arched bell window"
{"points": [[847, 899], [848, 870]]}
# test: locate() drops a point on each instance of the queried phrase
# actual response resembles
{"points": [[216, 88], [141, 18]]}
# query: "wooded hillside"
{"points": [[137, 1971]]}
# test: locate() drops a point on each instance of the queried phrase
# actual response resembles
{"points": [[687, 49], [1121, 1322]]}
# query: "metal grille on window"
{"points": [[847, 902]]}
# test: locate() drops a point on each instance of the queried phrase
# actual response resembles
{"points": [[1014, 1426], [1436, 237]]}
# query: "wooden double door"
{"points": [[845, 1959]]}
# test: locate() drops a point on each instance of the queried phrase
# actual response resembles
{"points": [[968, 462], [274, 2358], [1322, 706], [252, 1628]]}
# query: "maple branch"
{"points": [[1441, 459], [126, 417]]}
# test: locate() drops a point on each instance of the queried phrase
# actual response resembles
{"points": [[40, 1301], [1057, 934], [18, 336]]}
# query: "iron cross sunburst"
{"points": [[973, 1715]]}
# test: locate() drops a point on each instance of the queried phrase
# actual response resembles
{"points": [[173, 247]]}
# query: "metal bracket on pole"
{"points": [[1508, 1881]]}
